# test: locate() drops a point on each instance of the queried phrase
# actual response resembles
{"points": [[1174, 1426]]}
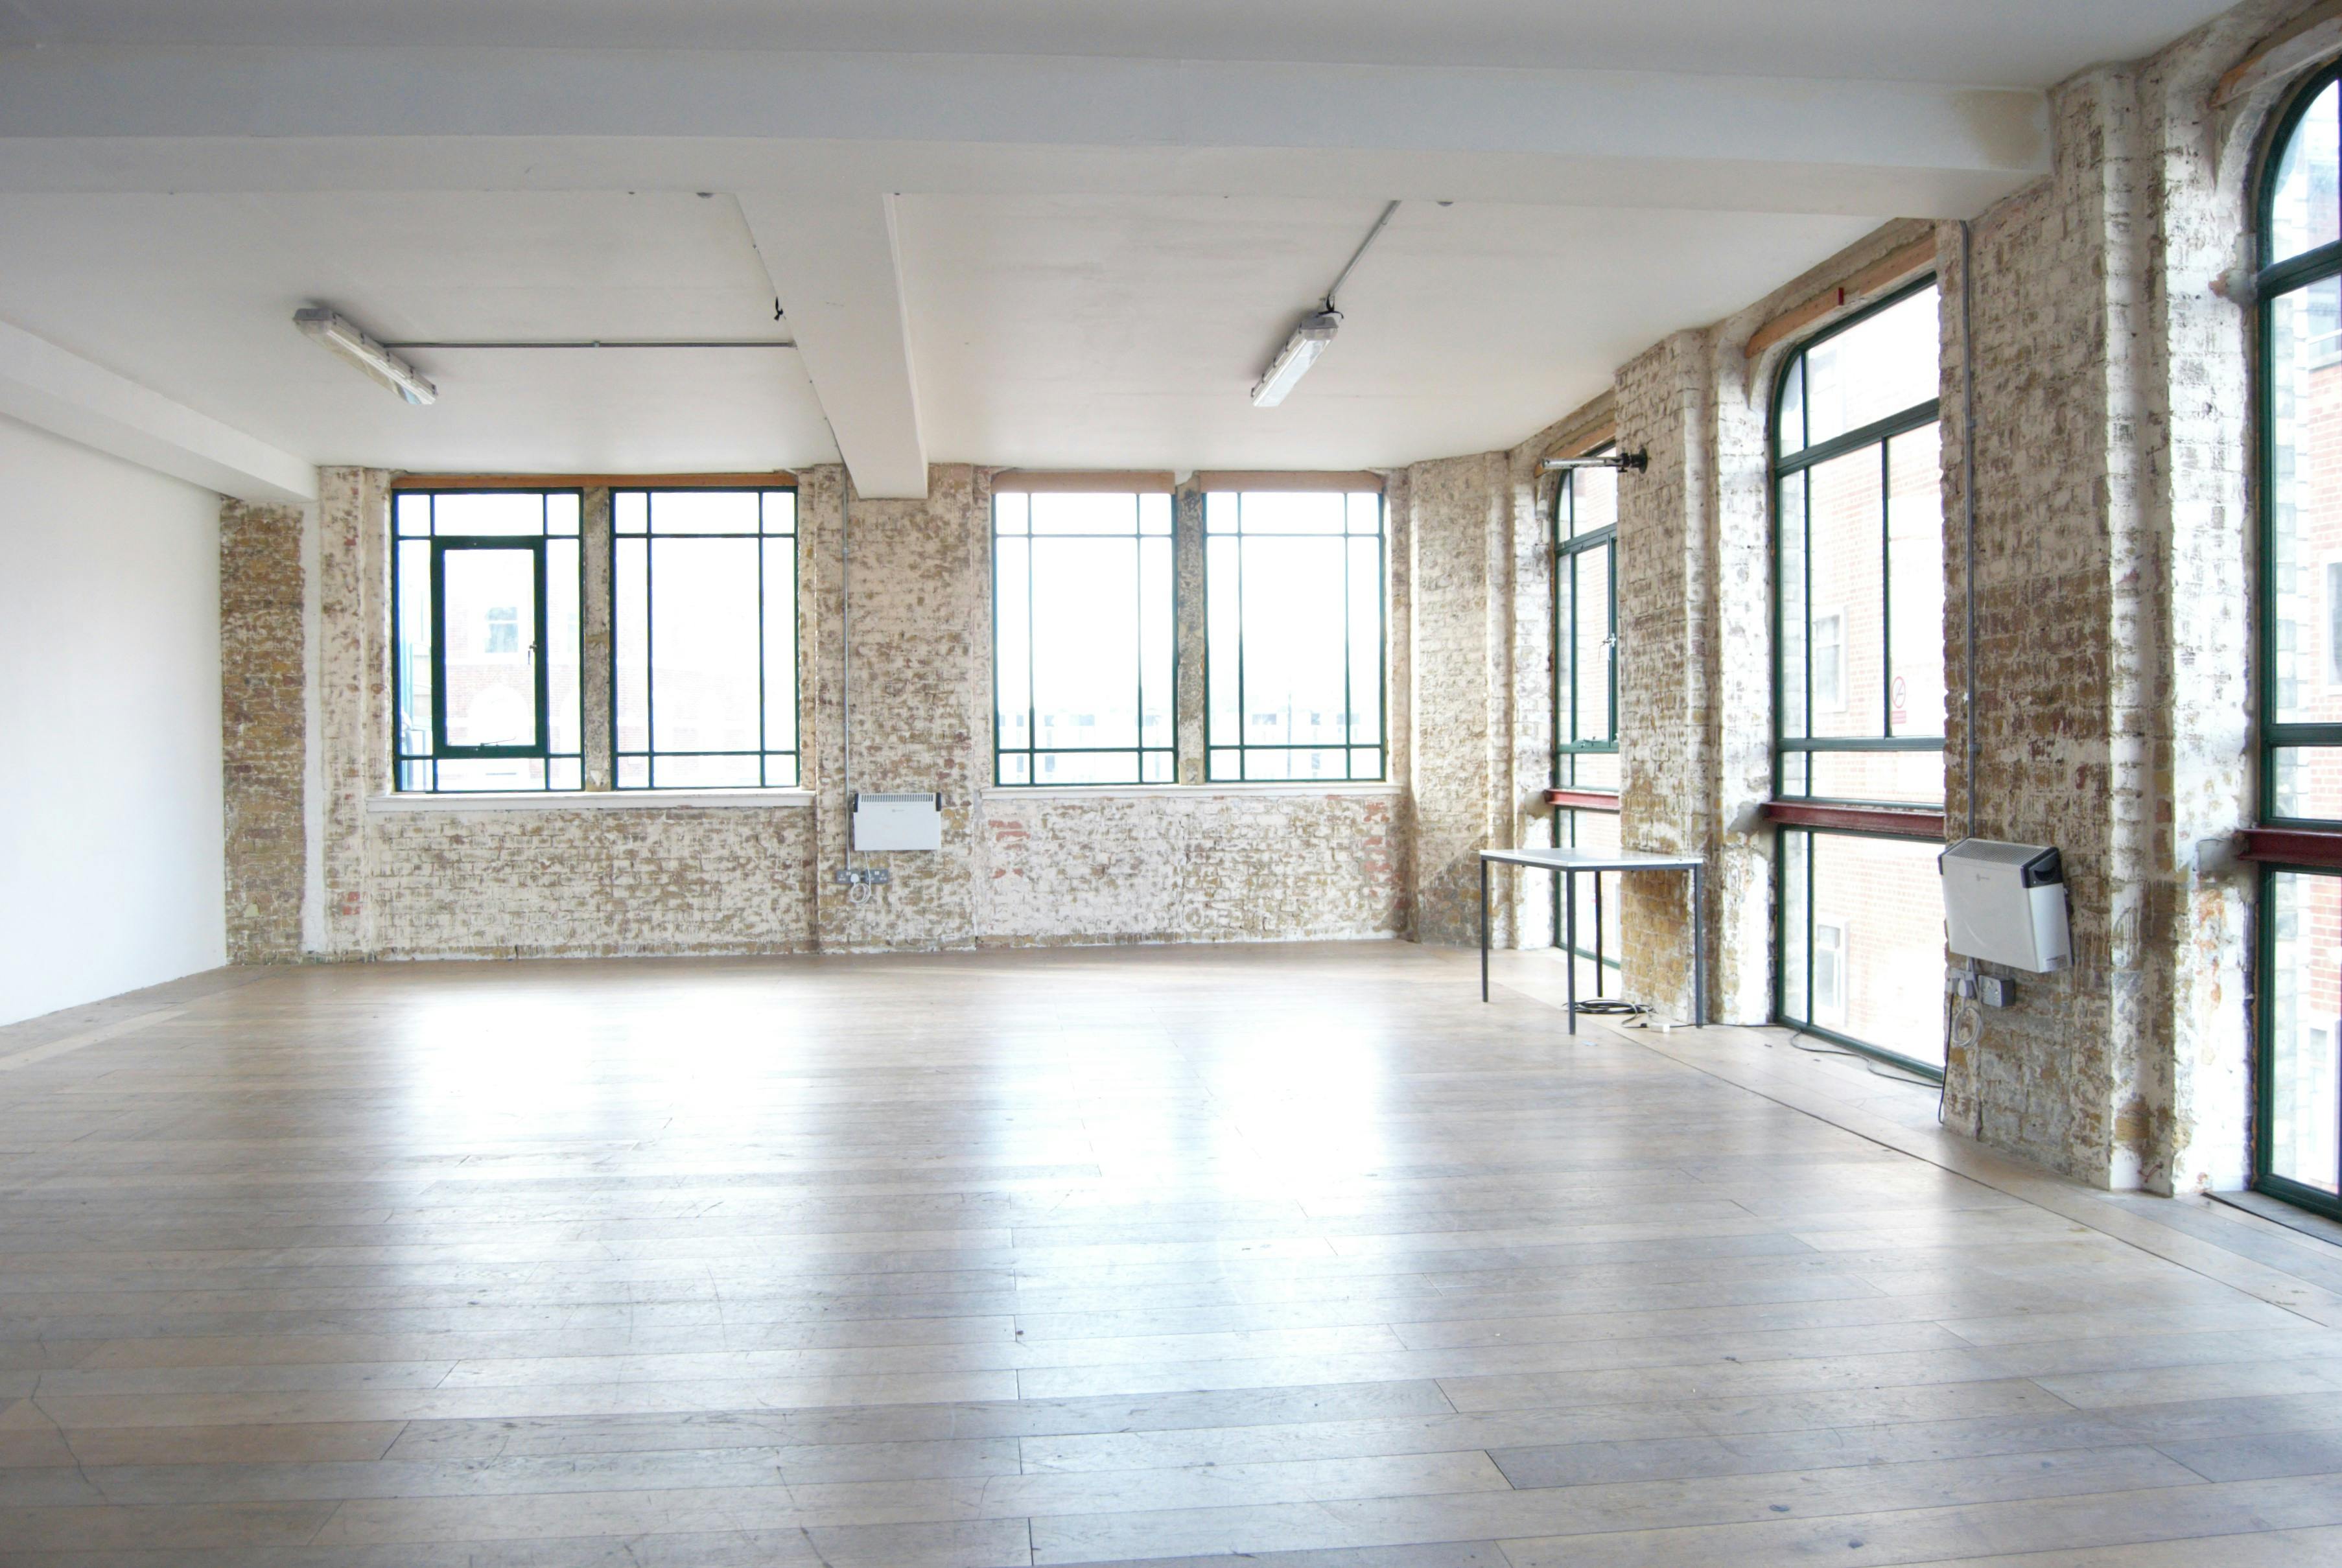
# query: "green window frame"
{"points": [[1585, 537], [1903, 759], [1585, 575], [1265, 554], [523, 549], [720, 541], [2297, 639], [1057, 651]]}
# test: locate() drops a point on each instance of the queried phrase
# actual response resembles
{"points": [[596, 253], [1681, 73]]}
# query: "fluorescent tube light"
{"points": [[343, 336], [1293, 361]]}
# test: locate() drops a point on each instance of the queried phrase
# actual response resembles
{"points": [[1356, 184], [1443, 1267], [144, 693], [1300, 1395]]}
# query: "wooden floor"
{"points": [[1211, 1254]]}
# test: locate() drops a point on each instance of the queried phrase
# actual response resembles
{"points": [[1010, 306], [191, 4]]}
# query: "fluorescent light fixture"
{"points": [[343, 336], [1293, 361]]}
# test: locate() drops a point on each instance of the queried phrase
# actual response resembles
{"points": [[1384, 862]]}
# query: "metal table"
{"points": [[1569, 863]]}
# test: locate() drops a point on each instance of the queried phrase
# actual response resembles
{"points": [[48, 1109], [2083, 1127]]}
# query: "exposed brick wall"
{"points": [[602, 880], [1206, 868], [1461, 629], [265, 729]]}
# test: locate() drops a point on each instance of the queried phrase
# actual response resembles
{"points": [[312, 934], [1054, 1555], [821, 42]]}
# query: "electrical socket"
{"points": [[1996, 991], [864, 876]]}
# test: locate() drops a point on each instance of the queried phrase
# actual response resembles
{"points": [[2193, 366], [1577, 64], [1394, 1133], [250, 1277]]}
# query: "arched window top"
{"points": [[1868, 370], [2301, 207]]}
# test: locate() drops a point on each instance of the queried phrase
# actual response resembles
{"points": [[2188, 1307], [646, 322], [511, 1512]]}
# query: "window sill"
{"points": [[590, 800], [1181, 791]]}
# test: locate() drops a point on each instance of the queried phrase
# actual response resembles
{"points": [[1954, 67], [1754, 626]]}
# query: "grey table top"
{"points": [[1593, 860]]}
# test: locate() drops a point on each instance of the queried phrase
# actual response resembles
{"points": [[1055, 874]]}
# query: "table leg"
{"points": [[1698, 947], [1484, 931], [1570, 946]]}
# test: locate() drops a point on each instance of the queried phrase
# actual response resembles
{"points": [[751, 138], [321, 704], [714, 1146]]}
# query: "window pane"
{"points": [[1915, 520], [780, 644], [565, 773], [2306, 505], [1594, 771], [1598, 928], [492, 773], [1844, 622], [490, 624], [1155, 515], [705, 659], [1157, 657], [1793, 408], [1881, 366], [1876, 907], [1009, 511], [1365, 586], [629, 511], [1594, 499], [413, 513], [1088, 767], [1796, 915], [705, 512], [1085, 608], [780, 772], [780, 511], [1791, 553], [704, 772], [412, 653], [561, 510], [1157, 767], [1222, 598], [630, 639], [1294, 511], [1294, 634], [1011, 661], [1591, 596], [2303, 203], [490, 512], [1222, 515], [1065, 513], [2309, 783], [1894, 778], [564, 648], [2305, 1002]]}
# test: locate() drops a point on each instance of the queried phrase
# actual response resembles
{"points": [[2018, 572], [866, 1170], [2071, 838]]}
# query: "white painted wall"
{"points": [[110, 826]]}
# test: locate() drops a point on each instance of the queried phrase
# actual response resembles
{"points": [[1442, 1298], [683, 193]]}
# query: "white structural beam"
{"points": [[60, 392], [836, 270], [359, 118]]}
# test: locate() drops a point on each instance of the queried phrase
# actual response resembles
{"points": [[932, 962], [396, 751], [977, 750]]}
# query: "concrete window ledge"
{"points": [[1180, 791], [593, 800]]}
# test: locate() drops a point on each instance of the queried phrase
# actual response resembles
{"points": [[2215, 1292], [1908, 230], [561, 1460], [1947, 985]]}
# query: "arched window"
{"points": [[2298, 1153], [1858, 673], [1586, 712]]}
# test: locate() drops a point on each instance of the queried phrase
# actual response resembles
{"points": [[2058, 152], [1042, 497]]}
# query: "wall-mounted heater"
{"points": [[2005, 904], [891, 822]]}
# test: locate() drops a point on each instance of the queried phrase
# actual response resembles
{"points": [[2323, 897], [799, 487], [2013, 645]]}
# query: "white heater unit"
{"points": [[2005, 904], [885, 822]]}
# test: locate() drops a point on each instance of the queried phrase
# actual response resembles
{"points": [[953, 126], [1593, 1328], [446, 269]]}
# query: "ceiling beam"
{"points": [[60, 392], [837, 269], [189, 119]]}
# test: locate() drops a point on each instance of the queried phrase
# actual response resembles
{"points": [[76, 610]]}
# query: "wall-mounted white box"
{"points": [[889, 822], [2005, 904]]}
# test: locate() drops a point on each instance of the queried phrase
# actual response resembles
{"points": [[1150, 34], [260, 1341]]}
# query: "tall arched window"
{"points": [[1859, 671], [1586, 712], [2299, 1130]]}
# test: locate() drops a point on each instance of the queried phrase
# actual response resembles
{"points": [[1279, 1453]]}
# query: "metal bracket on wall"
{"points": [[863, 876]]}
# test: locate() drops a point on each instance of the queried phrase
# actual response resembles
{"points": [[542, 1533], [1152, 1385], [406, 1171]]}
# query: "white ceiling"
{"points": [[1052, 331], [1996, 43], [193, 296], [1101, 218]]}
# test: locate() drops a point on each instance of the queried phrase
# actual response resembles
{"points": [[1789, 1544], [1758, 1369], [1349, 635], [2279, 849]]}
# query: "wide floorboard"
{"points": [[1291, 1255]]}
